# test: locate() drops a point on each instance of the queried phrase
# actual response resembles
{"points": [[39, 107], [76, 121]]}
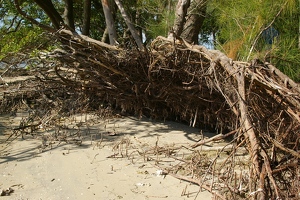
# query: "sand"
{"points": [[90, 171]]}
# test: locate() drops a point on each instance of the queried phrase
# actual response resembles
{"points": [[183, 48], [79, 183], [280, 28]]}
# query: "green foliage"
{"points": [[236, 25], [285, 56], [18, 35], [158, 17], [240, 27], [160, 24], [23, 40], [210, 25]]}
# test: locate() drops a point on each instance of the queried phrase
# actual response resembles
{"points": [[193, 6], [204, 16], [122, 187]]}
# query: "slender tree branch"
{"points": [[132, 30], [11, 25], [109, 20]]}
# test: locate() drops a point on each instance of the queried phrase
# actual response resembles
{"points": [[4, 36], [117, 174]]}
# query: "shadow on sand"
{"points": [[85, 131]]}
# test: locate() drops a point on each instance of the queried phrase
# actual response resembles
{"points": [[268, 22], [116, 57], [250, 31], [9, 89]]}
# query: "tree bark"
{"points": [[110, 23], [194, 21], [51, 12], [180, 14], [132, 30], [69, 14], [105, 37], [86, 17], [138, 21], [247, 128]]}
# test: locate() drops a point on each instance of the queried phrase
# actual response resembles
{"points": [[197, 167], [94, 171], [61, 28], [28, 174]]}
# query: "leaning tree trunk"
{"points": [[132, 30], [69, 14], [51, 12], [110, 24], [180, 17], [194, 21]]}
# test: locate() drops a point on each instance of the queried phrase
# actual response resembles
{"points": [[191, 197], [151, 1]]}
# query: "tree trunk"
{"points": [[133, 31], [86, 17], [180, 14], [69, 14], [110, 23], [51, 12], [138, 21], [105, 37], [194, 21]]}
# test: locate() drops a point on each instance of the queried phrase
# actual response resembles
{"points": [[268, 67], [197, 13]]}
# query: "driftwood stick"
{"points": [[214, 138], [80, 38], [281, 146], [197, 182], [269, 172]]}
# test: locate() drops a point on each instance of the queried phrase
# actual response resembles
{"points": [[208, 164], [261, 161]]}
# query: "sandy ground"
{"points": [[90, 171]]}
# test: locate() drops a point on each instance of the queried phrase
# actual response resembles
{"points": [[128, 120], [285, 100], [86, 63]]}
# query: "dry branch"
{"points": [[214, 138]]}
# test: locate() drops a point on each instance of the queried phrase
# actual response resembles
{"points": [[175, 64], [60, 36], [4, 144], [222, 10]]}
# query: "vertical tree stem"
{"points": [[132, 30]]}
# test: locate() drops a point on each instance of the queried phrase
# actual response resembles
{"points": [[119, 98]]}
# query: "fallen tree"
{"points": [[253, 104], [173, 79]]}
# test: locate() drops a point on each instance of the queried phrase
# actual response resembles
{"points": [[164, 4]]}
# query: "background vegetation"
{"points": [[237, 29]]}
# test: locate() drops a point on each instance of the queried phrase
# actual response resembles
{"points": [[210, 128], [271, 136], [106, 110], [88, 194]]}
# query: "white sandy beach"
{"points": [[89, 171]]}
